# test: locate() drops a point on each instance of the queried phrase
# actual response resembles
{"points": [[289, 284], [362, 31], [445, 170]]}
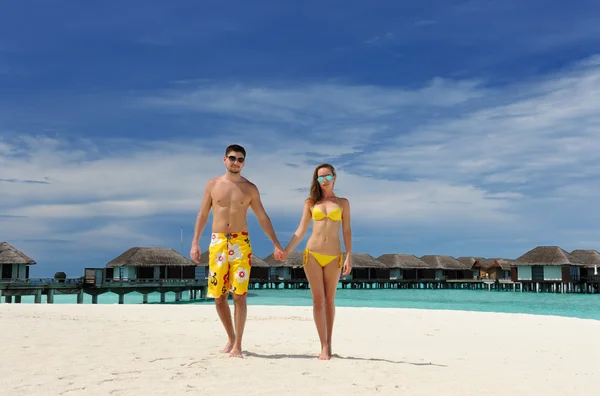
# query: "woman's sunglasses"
{"points": [[233, 158], [321, 178]]}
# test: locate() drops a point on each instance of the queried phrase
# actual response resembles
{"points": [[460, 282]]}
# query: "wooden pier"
{"points": [[197, 288], [590, 284], [382, 283], [50, 287]]}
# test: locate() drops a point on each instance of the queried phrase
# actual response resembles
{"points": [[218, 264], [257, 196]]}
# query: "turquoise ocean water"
{"points": [[586, 306]]}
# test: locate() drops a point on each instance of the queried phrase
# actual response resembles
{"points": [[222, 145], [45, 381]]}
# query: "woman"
{"points": [[323, 259]]}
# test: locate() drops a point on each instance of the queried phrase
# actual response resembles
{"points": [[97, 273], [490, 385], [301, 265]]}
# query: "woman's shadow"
{"points": [[336, 356]]}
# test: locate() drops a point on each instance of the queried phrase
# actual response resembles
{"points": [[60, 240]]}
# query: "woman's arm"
{"points": [[301, 231], [347, 234], [346, 227]]}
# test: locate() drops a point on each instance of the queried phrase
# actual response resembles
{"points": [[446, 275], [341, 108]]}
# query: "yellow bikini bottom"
{"points": [[322, 259]]}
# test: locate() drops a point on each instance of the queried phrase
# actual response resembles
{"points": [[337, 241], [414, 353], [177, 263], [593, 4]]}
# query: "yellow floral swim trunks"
{"points": [[230, 259]]}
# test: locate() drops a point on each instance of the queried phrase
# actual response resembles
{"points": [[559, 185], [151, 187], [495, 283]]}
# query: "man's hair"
{"points": [[235, 147]]}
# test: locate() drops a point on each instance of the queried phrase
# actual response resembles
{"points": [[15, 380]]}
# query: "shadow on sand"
{"points": [[335, 356]]}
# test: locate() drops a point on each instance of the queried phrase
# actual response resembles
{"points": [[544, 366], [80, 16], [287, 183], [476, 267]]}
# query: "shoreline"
{"points": [[582, 306], [174, 349], [274, 310]]}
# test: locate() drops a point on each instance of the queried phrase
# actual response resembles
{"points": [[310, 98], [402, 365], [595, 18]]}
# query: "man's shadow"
{"points": [[336, 356]]}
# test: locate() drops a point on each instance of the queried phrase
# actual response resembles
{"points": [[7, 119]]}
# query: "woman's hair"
{"points": [[316, 194]]}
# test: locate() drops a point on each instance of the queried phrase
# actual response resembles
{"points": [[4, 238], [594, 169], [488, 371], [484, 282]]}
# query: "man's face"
{"points": [[234, 161]]}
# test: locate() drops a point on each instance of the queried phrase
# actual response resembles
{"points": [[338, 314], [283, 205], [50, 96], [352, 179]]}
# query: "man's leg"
{"points": [[225, 315], [240, 315], [240, 254], [219, 284]]}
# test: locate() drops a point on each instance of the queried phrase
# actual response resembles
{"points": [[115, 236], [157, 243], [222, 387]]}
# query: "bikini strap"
{"points": [[338, 201]]}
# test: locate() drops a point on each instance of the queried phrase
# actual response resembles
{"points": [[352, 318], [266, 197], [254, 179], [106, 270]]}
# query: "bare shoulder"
{"points": [[210, 184], [308, 203], [214, 180], [249, 184], [344, 202], [250, 187]]}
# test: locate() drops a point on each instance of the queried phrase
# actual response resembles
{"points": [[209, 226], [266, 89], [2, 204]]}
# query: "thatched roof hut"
{"points": [[258, 262], [364, 260], [10, 255], [150, 257], [469, 262], [404, 261], [444, 262], [589, 258], [548, 255], [504, 264]]}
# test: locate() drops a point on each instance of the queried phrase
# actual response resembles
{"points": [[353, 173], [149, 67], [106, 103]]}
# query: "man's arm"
{"points": [[202, 217], [261, 215]]}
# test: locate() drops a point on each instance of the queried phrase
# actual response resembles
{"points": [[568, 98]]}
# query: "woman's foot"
{"points": [[236, 352], [325, 355]]}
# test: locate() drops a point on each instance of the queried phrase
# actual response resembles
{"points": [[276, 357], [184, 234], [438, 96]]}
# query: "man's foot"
{"points": [[228, 347], [325, 355], [237, 353]]}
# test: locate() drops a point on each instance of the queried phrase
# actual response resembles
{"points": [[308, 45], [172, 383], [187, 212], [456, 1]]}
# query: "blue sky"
{"points": [[466, 128]]}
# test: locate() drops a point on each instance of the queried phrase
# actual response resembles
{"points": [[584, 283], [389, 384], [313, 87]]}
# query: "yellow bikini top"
{"points": [[335, 214]]}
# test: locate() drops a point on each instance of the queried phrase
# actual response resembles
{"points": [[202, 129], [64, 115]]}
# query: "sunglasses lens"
{"points": [[241, 159], [329, 177]]}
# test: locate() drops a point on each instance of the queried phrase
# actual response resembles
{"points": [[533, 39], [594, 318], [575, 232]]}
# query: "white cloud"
{"points": [[153, 181], [309, 103], [542, 134], [476, 165]]}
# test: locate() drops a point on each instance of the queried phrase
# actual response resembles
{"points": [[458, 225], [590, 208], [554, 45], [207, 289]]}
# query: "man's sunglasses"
{"points": [[321, 178], [239, 159]]}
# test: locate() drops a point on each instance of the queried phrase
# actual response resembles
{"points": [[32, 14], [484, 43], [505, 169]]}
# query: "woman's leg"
{"points": [[314, 275], [331, 278]]}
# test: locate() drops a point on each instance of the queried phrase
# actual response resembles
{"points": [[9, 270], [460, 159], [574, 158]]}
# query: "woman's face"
{"points": [[325, 177]]}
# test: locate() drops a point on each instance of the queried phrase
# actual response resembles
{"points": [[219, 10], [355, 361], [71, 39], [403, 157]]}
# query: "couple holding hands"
{"points": [[230, 251]]}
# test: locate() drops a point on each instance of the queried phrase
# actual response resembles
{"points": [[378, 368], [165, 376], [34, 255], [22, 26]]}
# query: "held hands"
{"points": [[347, 265], [280, 254]]}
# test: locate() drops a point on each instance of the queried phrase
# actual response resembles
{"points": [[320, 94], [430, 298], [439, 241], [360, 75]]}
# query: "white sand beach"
{"points": [[174, 349]]}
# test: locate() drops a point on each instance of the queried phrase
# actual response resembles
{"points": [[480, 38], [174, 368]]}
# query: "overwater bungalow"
{"points": [[547, 265], [367, 267], [445, 267], [591, 260], [404, 266], [150, 263], [285, 270], [472, 263], [492, 268], [14, 264]]}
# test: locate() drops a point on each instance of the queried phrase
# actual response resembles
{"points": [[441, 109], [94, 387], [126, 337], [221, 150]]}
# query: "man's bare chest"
{"points": [[228, 197]]}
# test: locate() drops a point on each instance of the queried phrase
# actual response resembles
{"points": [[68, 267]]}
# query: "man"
{"points": [[230, 250]]}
